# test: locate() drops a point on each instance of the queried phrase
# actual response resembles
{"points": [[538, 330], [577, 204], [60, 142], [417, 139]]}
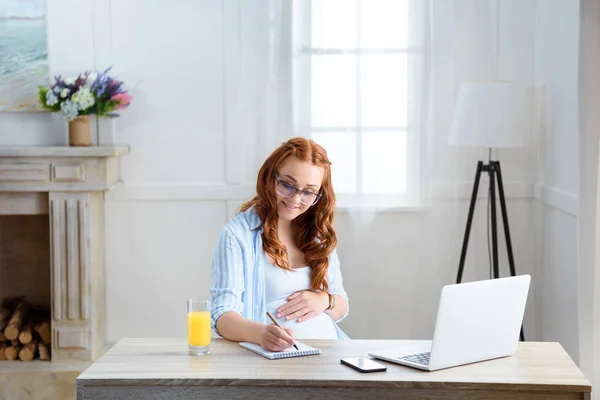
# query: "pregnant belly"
{"points": [[319, 327]]}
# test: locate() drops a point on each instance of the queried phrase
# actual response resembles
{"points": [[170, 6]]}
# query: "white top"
{"points": [[279, 284], [238, 272]]}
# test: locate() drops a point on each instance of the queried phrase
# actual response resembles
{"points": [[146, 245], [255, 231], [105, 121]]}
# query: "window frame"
{"points": [[415, 148]]}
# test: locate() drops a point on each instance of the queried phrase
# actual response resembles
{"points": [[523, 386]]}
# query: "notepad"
{"points": [[303, 350]]}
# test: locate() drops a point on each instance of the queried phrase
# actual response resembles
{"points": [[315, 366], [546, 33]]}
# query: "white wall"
{"points": [[589, 260], [192, 162], [556, 70]]}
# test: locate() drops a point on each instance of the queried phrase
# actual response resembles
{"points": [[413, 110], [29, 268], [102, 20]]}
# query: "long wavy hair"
{"points": [[316, 237]]}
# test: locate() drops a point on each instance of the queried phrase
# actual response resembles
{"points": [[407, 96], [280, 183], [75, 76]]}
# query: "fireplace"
{"points": [[52, 252]]}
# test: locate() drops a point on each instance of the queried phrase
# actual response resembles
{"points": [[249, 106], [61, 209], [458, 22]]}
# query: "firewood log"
{"points": [[26, 334], [43, 351], [2, 347], [43, 328], [2, 326], [28, 351], [12, 352], [5, 314], [16, 321]]}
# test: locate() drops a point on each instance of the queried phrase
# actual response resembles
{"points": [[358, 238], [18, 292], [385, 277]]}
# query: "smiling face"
{"points": [[305, 177]]}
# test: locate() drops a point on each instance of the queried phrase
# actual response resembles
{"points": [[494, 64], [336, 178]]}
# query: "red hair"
{"points": [[316, 238]]}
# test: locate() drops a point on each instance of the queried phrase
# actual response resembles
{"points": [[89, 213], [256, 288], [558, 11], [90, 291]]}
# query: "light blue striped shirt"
{"points": [[238, 279]]}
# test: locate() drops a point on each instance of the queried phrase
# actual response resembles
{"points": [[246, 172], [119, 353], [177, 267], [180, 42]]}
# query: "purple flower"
{"points": [[108, 92], [72, 84], [101, 82]]}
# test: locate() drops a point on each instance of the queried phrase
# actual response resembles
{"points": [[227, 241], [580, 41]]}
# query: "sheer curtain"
{"points": [[403, 191], [275, 75], [478, 40]]}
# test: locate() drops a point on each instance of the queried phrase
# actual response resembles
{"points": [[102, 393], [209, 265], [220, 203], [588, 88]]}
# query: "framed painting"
{"points": [[23, 54]]}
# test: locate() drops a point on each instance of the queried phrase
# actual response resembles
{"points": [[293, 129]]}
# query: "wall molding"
{"points": [[180, 192], [551, 197], [220, 191], [558, 199], [463, 190]]}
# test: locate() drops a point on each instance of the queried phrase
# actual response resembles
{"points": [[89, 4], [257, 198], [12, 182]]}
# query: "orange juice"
{"points": [[199, 328]]}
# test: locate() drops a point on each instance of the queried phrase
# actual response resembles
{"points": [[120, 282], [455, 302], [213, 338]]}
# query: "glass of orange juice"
{"points": [[198, 327]]}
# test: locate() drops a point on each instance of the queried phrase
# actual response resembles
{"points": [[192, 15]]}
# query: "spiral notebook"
{"points": [[303, 350]]}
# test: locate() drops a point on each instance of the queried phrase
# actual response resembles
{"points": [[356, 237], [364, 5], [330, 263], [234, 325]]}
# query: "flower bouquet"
{"points": [[76, 98]]}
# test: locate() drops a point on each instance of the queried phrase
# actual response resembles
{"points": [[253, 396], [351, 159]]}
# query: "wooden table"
{"points": [[161, 368]]}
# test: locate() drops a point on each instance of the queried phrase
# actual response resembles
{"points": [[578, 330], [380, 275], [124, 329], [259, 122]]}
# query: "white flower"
{"points": [[70, 81], [69, 110], [64, 93], [83, 98], [51, 98]]}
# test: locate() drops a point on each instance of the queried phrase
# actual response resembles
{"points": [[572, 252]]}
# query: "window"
{"points": [[356, 82]]}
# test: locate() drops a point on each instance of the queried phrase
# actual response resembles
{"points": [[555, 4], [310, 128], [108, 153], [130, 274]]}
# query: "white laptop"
{"points": [[476, 321]]}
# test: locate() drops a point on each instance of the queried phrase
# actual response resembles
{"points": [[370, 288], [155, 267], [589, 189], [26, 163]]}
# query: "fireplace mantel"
{"points": [[68, 184], [45, 169], [63, 151]]}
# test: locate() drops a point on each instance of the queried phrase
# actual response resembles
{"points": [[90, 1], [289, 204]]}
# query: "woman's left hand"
{"points": [[304, 305]]}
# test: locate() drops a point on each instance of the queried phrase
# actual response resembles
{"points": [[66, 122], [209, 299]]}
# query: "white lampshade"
{"points": [[492, 114]]}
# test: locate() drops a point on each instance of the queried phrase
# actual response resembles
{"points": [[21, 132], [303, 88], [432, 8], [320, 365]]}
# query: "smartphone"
{"points": [[363, 364]]}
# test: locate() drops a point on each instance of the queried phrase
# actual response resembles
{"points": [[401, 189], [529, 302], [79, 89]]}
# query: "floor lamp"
{"points": [[492, 115]]}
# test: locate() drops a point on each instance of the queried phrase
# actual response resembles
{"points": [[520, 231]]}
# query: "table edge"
{"points": [[82, 382]]}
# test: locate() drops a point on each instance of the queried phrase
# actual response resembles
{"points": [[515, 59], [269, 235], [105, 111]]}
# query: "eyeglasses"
{"points": [[286, 189]]}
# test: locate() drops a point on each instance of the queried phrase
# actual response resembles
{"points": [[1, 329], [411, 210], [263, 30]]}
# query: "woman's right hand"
{"points": [[272, 338]]}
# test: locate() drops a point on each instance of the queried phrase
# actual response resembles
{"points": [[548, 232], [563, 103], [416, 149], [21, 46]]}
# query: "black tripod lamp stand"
{"points": [[495, 178], [492, 115]]}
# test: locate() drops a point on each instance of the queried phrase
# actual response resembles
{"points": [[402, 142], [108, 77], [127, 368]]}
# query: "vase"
{"points": [[79, 131]]}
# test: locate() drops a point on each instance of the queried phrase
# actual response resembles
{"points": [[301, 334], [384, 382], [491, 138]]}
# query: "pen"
{"points": [[279, 326]]}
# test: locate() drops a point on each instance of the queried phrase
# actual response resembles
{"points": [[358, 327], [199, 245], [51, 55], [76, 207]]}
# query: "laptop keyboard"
{"points": [[421, 358]]}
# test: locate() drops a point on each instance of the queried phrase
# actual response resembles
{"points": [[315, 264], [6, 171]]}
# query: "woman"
{"points": [[278, 255]]}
